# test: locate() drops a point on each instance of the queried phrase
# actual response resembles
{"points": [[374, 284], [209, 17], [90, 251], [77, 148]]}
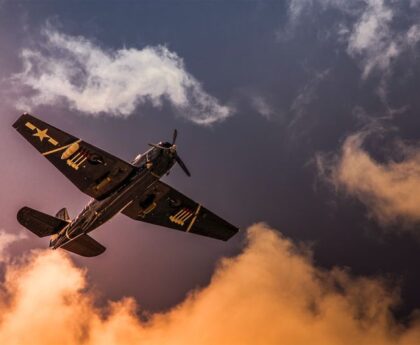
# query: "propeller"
{"points": [[174, 136], [182, 165], [172, 148]]}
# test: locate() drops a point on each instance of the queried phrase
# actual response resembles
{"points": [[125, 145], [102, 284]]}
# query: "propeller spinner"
{"points": [[172, 148]]}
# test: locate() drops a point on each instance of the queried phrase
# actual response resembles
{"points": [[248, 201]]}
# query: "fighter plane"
{"points": [[116, 186]]}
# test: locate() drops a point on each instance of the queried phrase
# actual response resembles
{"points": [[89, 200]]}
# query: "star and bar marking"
{"points": [[41, 134]]}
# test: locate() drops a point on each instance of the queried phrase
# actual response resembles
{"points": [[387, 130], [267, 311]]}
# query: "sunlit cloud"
{"points": [[271, 293], [96, 80], [390, 190], [6, 239]]}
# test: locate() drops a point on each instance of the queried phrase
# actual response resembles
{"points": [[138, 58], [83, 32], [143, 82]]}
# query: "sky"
{"points": [[299, 122]]}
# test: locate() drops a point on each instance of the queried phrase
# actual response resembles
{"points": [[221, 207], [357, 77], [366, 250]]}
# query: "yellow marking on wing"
{"points": [[181, 216], [77, 160], [73, 148], [81, 162], [30, 126], [103, 183], [41, 134], [179, 213], [177, 217], [53, 141], [75, 157], [149, 209], [194, 219], [186, 216], [81, 158], [61, 148]]}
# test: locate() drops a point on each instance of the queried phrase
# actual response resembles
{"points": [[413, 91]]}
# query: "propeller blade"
{"points": [[174, 136], [182, 165]]}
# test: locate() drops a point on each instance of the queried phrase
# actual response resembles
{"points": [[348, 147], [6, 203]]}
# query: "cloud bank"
{"points": [[96, 81], [269, 294], [390, 190]]}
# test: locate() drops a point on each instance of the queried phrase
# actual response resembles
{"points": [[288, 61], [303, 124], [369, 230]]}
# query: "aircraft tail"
{"points": [[63, 214], [39, 223]]}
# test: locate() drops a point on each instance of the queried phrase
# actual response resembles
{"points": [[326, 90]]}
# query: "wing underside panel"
{"points": [[163, 205]]}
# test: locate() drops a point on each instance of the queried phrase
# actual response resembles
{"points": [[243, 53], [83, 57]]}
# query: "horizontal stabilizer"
{"points": [[84, 245], [39, 223]]}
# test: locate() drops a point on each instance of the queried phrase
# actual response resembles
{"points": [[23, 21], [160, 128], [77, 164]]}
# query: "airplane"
{"points": [[116, 186]]}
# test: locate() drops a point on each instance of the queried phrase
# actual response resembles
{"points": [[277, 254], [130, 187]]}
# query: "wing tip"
{"points": [[19, 120], [234, 231]]}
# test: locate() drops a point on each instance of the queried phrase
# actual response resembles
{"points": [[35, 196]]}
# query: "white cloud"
{"points": [[366, 27], [95, 80], [413, 35], [372, 39], [390, 190]]}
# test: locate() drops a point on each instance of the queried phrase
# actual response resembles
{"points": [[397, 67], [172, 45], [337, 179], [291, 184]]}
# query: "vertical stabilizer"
{"points": [[63, 214]]}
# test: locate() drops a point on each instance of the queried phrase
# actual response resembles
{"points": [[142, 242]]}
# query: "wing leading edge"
{"points": [[165, 206], [94, 171]]}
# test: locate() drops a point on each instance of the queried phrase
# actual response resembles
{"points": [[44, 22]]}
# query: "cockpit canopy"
{"points": [[140, 160], [149, 155]]}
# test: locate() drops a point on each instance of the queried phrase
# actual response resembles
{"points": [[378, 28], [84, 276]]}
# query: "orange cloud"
{"points": [[269, 294], [391, 191]]}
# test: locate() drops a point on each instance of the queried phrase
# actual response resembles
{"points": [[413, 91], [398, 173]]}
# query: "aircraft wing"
{"points": [[94, 171], [165, 206]]}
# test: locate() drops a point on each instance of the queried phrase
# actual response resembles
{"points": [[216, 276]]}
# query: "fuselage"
{"points": [[149, 168]]}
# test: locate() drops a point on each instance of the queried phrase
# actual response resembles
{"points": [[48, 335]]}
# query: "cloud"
{"points": [[413, 35], [371, 38], [104, 81], [6, 239], [269, 294], [390, 190], [367, 28], [375, 41], [261, 105], [307, 94], [414, 3]]}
